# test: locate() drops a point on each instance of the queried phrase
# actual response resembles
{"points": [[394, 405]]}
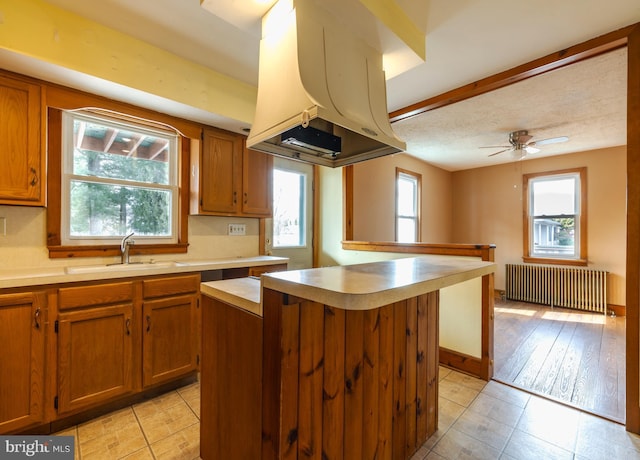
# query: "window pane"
{"points": [[406, 195], [406, 230], [554, 197], [104, 210], [118, 178], [288, 208], [110, 152], [554, 237]]}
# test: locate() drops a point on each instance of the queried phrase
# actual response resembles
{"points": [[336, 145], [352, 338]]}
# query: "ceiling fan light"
{"points": [[518, 153], [531, 149]]}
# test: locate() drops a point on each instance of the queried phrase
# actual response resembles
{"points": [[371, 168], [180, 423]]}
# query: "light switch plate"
{"points": [[237, 229]]}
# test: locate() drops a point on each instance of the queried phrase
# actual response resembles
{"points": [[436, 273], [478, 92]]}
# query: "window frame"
{"points": [[418, 179], [54, 202], [69, 176], [582, 219]]}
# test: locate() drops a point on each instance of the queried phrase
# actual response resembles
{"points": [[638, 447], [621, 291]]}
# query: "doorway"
{"points": [[290, 232], [573, 357]]}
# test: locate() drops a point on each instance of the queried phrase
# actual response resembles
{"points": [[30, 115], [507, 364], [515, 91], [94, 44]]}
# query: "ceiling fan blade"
{"points": [[551, 140], [495, 147], [501, 151]]}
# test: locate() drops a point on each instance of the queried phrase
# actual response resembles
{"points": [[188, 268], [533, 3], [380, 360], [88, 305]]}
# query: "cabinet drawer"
{"points": [[101, 294], [170, 286]]}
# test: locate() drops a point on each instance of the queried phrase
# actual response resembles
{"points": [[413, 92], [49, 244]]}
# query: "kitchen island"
{"points": [[336, 362]]}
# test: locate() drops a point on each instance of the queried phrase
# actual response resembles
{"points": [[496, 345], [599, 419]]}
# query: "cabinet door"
{"points": [[22, 362], [257, 183], [95, 355], [220, 172], [170, 338], [22, 174]]}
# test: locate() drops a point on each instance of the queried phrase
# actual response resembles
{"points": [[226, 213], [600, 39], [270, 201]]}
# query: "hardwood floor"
{"points": [[570, 356]]}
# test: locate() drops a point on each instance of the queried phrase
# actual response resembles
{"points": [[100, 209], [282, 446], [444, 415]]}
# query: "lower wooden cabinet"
{"points": [[95, 356], [116, 339], [22, 365], [170, 324]]}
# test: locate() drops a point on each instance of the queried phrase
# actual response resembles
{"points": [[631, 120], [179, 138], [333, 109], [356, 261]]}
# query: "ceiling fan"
{"points": [[521, 144]]}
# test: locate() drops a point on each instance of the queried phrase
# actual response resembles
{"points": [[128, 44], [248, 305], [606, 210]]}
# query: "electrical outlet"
{"points": [[237, 229]]}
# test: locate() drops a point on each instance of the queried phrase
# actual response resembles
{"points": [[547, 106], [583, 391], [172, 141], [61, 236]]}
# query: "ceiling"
{"points": [[466, 40]]}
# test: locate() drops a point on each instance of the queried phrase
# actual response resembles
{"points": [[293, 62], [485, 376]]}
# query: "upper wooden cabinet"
{"points": [[257, 183], [229, 180], [23, 173]]}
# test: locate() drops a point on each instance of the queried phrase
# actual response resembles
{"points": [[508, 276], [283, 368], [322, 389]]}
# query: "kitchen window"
{"points": [[289, 229], [117, 178], [555, 223], [407, 206]]}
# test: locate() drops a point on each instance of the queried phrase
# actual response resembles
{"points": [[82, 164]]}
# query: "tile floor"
{"points": [[477, 420]]}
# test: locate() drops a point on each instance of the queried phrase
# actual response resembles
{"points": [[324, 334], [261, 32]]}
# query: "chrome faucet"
{"points": [[125, 244]]}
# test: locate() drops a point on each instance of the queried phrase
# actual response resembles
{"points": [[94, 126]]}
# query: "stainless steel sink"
{"points": [[134, 266]]}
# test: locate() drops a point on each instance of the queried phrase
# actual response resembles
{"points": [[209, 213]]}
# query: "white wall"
{"points": [[25, 242]]}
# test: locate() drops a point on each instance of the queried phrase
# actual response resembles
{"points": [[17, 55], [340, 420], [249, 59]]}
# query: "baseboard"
{"points": [[619, 310], [461, 362]]}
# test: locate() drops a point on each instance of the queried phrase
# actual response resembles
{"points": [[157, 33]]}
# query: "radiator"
{"points": [[578, 288]]}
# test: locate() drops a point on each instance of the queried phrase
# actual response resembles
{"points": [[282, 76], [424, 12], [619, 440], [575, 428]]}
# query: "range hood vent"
{"points": [[321, 91]]}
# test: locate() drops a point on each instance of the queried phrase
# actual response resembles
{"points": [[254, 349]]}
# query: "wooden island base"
{"points": [[331, 383]]}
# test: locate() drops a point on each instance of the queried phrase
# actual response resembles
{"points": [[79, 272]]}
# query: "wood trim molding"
{"points": [[484, 251], [347, 184], [633, 231], [461, 362], [590, 48]]}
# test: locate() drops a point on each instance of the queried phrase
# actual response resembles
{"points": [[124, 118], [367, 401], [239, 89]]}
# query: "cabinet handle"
{"points": [[36, 318], [245, 198], [128, 325], [34, 179], [148, 323], [235, 197]]}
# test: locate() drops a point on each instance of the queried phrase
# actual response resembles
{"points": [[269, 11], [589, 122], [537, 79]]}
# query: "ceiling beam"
{"points": [[590, 48]]}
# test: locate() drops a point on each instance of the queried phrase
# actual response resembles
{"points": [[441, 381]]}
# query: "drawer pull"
{"points": [[128, 326], [36, 318], [148, 323], [34, 179]]}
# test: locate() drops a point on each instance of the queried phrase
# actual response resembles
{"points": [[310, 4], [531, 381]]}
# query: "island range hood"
{"points": [[321, 91]]}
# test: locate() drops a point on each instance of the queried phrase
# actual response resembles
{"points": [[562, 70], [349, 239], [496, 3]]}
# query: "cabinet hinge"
{"points": [[55, 327], [198, 360], [198, 303], [55, 402]]}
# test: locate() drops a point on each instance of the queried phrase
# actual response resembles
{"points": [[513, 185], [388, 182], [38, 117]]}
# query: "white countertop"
{"points": [[14, 278], [353, 287], [372, 285], [239, 292]]}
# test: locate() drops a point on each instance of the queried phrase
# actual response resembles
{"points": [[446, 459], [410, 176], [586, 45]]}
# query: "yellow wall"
{"points": [[484, 206], [38, 30], [374, 199], [487, 206]]}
